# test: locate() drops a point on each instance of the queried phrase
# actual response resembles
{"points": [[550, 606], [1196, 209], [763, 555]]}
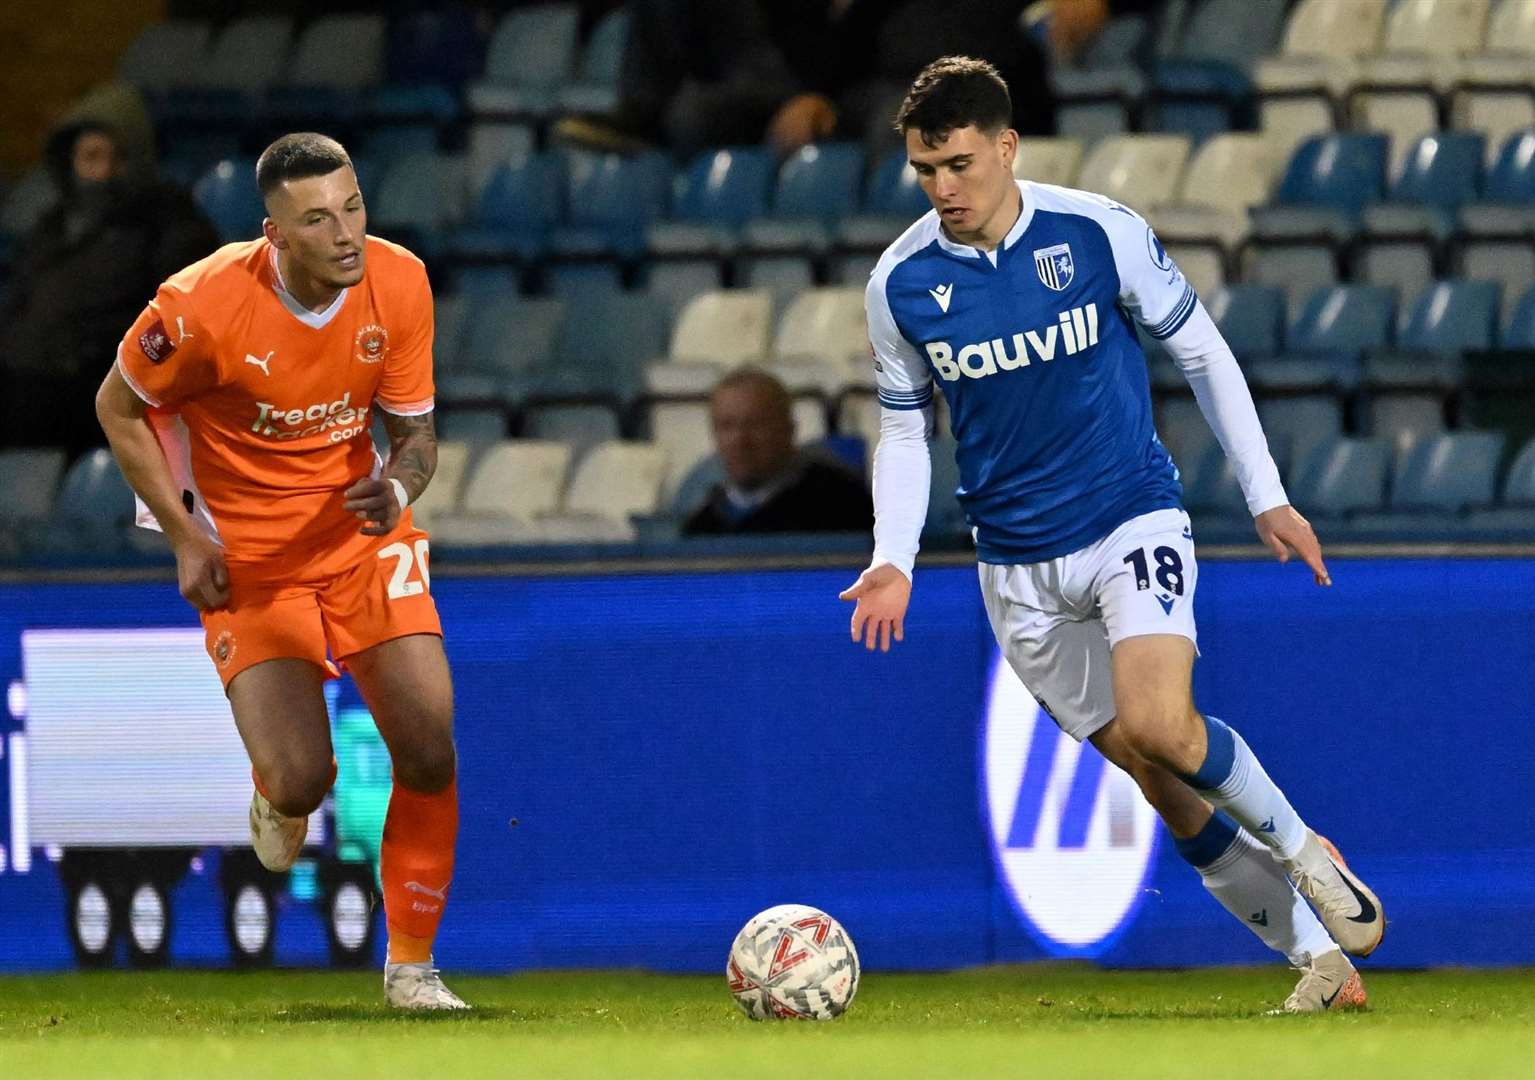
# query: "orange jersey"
{"points": [[263, 407]]}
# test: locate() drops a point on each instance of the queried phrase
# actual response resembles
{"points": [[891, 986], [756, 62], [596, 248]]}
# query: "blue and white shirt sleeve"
{"points": [[902, 465], [900, 372], [1151, 287], [1155, 291]]}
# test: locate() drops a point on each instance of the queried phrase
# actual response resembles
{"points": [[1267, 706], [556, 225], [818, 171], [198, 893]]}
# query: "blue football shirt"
{"points": [[1036, 356]]}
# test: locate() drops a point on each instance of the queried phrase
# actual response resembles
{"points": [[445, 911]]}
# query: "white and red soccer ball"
{"points": [[792, 962]]}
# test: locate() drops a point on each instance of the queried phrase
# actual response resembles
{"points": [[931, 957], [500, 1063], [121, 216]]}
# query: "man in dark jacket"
{"points": [[769, 486], [87, 267]]}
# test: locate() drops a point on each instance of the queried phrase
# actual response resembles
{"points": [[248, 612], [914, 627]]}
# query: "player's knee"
{"points": [[428, 767], [1166, 734], [296, 789]]}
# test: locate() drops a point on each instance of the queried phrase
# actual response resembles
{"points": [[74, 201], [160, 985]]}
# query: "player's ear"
{"points": [[1008, 143], [274, 235]]}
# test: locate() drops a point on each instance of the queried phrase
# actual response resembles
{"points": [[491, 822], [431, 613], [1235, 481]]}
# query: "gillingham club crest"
{"points": [[1054, 266], [1072, 836]]}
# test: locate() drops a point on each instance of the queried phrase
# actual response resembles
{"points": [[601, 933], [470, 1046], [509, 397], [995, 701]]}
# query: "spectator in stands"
{"points": [[85, 271], [769, 485]]}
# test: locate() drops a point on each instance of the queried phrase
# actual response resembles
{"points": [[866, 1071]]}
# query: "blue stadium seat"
{"points": [[529, 57], [506, 336], [595, 89], [94, 509], [1251, 318], [1507, 206], [1402, 236], [518, 206], [718, 193], [1205, 87], [1098, 93], [418, 201], [816, 186], [30, 479], [1341, 476], [1520, 332], [1297, 422], [580, 281], [1519, 486], [611, 199], [1448, 472], [1514, 516], [892, 200], [1442, 170], [1212, 487], [1300, 269], [603, 345], [1342, 172], [1451, 316], [1325, 343], [228, 194]]}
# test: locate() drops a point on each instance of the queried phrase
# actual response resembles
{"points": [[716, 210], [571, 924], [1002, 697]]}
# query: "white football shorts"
{"points": [[1057, 621]]}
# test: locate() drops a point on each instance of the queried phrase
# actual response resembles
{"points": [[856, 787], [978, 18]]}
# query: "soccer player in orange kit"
{"points": [[239, 410]]}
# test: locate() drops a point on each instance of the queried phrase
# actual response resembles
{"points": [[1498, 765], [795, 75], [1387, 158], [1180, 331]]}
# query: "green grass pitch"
{"points": [[1045, 1021]]}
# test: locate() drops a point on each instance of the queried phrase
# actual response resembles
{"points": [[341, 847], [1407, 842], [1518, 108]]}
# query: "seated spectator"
{"points": [[85, 271], [769, 485]]}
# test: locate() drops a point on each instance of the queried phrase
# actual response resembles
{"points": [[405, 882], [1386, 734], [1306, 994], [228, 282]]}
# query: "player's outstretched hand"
{"points": [[1282, 529], [201, 574], [374, 502], [882, 593]]}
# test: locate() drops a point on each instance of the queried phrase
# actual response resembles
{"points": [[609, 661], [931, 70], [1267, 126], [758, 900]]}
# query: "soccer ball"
{"points": [[792, 962]]}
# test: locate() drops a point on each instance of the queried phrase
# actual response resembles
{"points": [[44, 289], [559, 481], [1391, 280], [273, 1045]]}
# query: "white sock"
{"points": [[1247, 882], [1232, 779]]}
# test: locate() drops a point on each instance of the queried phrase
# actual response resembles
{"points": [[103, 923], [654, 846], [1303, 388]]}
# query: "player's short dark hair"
{"points": [[297, 157], [954, 92]]}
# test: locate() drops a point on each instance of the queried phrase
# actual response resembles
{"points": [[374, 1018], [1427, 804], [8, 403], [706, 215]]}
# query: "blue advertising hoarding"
{"points": [[647, 759]]}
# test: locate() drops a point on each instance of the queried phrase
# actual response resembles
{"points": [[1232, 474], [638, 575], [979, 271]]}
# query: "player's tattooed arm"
{"points": [[412, 451]]}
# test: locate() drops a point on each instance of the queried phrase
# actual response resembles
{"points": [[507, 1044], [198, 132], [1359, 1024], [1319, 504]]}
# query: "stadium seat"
{"points": [[718, 192], [450, 320], [891, 202], [1182, 428], [1203, 263], [420, 199], [1497, 113], [93, 509], [342, 51], [516, 210], [828, 326], [690, 491], [1519, 486], [249, 54], [1451, 316], [604, 344], [529, 57], [165, 55], [1442, 170], [1515, 512], [1298, 269], [228, 195], [808, 412], [1401, 237], [816, 186], [493, 143], [1340, 172], [1449, 472], [1045, 161], [782, 276], [1402, 418], [1509, 263], [1520, 330], [441, 495], [471, 427], [1300, 88], [1137, 170], [30, 479], [513, 483], [1228, 175], [1098, 93], [682, 429], [1507, 208], [580, 425], [387, 145], [1300, 422], [595, 88], [1325, 343], [673, 283], [614, 482], [506, 336], [610, 200], [1203, 86], [724, 328], [1341, 476], [1251, 318], [1212, 487]]}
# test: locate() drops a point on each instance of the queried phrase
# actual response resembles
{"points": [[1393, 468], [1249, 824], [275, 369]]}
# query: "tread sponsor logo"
{"points": [[340, 418], [1074, 330]]}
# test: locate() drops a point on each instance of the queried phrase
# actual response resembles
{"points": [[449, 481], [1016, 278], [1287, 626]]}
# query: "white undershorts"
{"points": [[1057, 621]]}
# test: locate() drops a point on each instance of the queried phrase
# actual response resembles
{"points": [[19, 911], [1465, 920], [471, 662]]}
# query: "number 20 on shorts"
{"points": [[400, 583]]}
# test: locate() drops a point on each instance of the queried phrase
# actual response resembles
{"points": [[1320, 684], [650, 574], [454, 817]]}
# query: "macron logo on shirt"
{"points": [[1073, 331]]}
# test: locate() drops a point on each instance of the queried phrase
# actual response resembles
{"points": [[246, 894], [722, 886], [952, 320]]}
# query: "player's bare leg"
{"points": [[1243, 878], [1152, 681], [279, 708], [410, 693]]}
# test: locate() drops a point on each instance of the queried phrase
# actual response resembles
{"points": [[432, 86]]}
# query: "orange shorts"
{"points": [[384, 595]]}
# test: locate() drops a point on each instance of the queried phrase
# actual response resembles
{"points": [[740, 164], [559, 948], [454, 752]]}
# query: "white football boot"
{"points": [[1346, 906], [1328, 983], [277, 838], [418, 986]]}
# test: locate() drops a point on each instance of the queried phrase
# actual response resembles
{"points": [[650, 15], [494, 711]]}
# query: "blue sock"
{"points": [[1210, 843], [1231, 778]]}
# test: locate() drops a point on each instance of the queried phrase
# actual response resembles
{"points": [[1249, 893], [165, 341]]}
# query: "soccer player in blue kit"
{"points": [[1016, 300]]}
